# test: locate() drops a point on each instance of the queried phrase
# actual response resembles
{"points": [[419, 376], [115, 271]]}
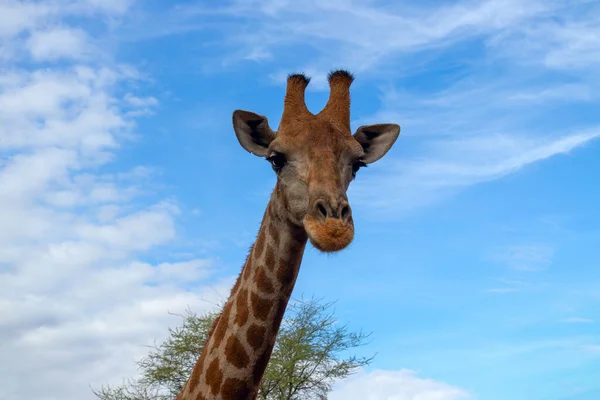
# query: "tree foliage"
{"points": [[310, 354]]}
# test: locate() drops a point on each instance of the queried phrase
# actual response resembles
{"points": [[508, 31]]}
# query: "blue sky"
{"points": [[124, 194]]}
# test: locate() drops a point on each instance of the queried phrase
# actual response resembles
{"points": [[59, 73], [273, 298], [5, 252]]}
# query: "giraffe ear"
{"points": [[376, 140], [253, 132]]}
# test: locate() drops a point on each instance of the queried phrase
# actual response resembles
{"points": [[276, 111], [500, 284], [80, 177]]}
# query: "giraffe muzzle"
{"points": [[329, 224]]}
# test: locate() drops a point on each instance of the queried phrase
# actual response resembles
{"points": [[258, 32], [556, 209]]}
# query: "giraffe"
{"points": [[315, 157]]}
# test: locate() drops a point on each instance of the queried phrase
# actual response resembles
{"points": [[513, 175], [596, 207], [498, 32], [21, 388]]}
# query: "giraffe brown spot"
{"points": [[222, 325], [241, 305], [235, 389], [235, 352], [259, 246], [274, 232], [214, 376], [279, 314], [210, 334], [256, 336], [195, 378], [260, 307], [263, 282], [270, 258], [261, 366], [286, 273], [296, 244], [299, 235]]}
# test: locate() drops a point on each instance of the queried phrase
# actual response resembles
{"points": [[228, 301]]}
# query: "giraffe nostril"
{"points": [[345, 211], [322, 210]]}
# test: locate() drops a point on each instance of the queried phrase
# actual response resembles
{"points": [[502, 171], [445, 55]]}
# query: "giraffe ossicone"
{"points": [[315, 157]]}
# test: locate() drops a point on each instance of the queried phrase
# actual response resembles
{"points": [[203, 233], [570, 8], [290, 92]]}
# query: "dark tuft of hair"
{"points": [[340, 74], [300, 78]]}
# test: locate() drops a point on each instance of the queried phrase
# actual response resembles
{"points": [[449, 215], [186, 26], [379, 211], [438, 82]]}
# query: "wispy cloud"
{"points": [[594, 349], [501, 290], [447, 165], [390, 31], [488, 115], [505, 286], [569, 41], [531, 257], [476, 130], [577, 320]]}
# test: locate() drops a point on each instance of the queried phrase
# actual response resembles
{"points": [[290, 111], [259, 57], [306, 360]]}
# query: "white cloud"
{"points": [[16, 16], [140, 101], [100, 320], [41, 23], [141, 106], [56, 43], [52, 107], [394, 385], [74, 288]]}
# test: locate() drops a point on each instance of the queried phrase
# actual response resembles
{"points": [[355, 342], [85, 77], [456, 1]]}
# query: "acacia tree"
{"points": [[306, 360]]}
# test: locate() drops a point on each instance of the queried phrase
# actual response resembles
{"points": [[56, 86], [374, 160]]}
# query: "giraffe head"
{"points": [[316, 157]]}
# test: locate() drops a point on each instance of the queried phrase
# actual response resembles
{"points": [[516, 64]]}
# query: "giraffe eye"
{"points": [[277, 160], [356, 166]]}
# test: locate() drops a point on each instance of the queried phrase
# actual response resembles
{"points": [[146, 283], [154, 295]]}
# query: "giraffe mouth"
{"points": [[329, 235]]}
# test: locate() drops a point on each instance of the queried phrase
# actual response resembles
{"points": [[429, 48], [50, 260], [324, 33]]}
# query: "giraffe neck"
{"points": [[236, 353]]}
